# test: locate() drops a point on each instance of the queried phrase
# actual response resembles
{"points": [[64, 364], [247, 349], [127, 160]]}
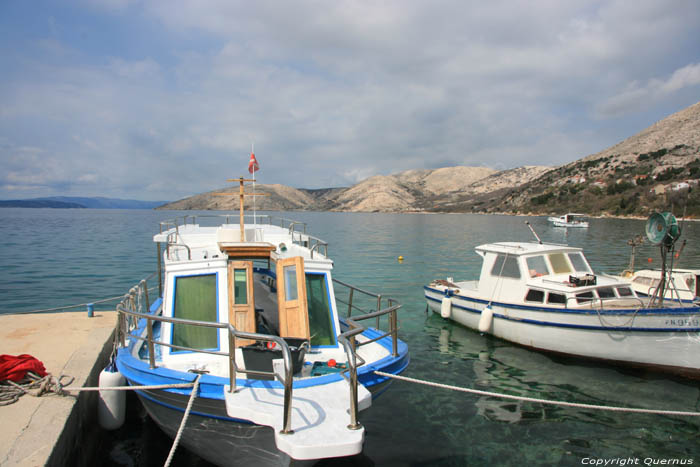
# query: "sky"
{"points": [[163, 99]]}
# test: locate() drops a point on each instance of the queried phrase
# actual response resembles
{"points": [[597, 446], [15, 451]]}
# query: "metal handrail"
{"points": [[127, 308], [183, 220], [128, 319], [293, 223], [350, 345], [304, 240], [601, 301]]}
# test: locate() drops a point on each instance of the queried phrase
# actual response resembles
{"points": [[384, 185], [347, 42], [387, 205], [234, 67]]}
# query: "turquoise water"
{"points": [[53, 258]]}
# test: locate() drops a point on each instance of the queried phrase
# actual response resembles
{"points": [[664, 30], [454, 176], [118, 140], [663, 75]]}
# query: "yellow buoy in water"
{"points": [[400, 259]]}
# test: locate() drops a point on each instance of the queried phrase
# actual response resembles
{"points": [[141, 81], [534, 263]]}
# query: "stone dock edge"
{"points": [[56, 430]]}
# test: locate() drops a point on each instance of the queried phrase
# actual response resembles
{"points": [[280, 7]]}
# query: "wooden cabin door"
{"points": [[291, 298], [241, 302]]}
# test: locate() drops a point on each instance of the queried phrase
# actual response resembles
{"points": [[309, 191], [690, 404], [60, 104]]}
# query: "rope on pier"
{"points": [[540, 401], [10, 392], [31, 384], [195, 390]]}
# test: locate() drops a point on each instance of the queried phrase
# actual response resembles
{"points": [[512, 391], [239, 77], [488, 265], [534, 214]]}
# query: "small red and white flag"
{"points": [[253, 164]]}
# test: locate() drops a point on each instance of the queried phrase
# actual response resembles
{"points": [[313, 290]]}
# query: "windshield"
{"points": [[578, 262], [537, 266], [559, 263]]}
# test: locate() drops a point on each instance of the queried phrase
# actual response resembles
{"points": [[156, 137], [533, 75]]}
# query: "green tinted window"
{"points": [[240, 286], [195, 299], [320, 323]]}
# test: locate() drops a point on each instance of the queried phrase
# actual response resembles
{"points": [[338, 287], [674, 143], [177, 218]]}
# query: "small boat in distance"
{"points": [[547, 297], [569, 220], [250, 312]]}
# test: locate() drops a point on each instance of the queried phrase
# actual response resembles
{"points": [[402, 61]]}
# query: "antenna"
{"points": [[634, 243], [533, 232]]}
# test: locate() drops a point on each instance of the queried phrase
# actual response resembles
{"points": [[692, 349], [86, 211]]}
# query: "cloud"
{"points": [[330, 92], [637, 96]]}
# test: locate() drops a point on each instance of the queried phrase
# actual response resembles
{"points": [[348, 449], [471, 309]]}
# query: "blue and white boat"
{"points": [[253, 311], [547, 297]]}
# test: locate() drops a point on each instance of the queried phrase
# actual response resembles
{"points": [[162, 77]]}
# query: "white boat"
{"points": [[684, 283], [547, 297], [569, 220], [252, 308], [679, 284]]}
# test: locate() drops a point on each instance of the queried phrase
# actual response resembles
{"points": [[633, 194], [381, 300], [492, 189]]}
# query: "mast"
{"points": [[241, 196]]}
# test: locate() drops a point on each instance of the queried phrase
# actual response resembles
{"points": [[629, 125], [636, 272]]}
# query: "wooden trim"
{"points": [[293, 314], [241, 316], [247, 251]]}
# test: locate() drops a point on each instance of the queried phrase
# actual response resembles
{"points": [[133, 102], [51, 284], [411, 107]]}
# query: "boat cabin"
{"points": [[556, 275], [261, 279], [685, 283]]}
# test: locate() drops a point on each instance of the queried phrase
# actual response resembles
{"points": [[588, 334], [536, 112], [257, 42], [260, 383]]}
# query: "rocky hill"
{"points": [[412, 190], [656, 169], [276, 198]]}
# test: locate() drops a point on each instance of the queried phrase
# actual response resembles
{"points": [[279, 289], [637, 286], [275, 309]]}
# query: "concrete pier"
{"points": [[51, 429]]}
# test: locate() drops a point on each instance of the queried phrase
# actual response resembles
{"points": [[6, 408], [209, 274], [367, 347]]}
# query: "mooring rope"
{"points": [[132, 388], [68, 307], [541, 401], [36, 386], [195, 390], [31, 384]]}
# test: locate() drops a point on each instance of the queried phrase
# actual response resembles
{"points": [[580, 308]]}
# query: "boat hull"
{"points": [[213, 435], [667, 338]]}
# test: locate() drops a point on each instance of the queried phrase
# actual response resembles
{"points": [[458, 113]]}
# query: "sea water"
{"points": [[54, 258]]}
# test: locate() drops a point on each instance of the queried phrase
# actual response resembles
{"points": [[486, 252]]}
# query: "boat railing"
{"points": [[297, 229], [309, 241], [350, 343], [602, 302], [183, 221], [134, 307]]}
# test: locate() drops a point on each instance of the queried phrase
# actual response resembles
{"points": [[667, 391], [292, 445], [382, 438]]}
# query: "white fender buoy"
{"points": [[486, 319], [111, 405], [446, 307]]}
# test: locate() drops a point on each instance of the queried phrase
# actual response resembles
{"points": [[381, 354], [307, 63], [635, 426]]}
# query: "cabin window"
{"points": [[578, 262], [240, 284], [195, 299], [320, 318], [534, 296], [537, 266], [584, 297], [290, 282], [624, 292], [506, 266], [642, 280], [559, 263], [606, 292], [556, 298]]}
